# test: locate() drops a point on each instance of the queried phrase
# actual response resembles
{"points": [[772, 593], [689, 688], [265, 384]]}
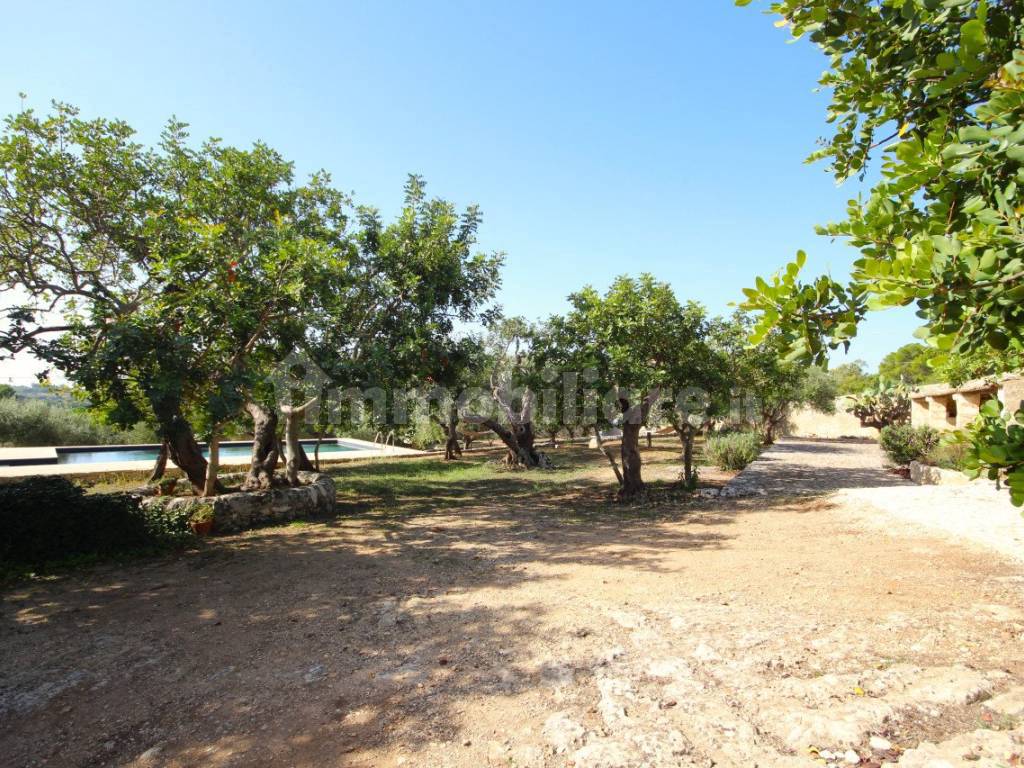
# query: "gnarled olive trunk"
{"points": [[160, 466], [182, 447], [452, 449], [633, 419], [686, 433], [264, 448], [519, 439], [629, 456], [293, 448]]}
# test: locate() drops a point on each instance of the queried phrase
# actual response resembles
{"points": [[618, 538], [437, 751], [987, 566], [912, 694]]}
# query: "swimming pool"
{"points": [[230, 452]]}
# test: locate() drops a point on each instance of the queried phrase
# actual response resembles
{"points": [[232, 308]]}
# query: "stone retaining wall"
{"points": [[925, 474], [239, 511]]}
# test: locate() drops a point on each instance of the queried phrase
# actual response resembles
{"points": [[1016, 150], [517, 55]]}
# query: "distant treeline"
{"points": [[31, 422]]}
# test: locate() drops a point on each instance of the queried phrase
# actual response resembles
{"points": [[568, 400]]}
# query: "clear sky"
{"points": [[598, 138]]}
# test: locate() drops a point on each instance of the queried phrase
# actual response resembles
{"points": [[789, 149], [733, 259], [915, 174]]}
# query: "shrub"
{"points": [[733, 450], [948, 456], [48, 519], [37, 422], [904, 443]]}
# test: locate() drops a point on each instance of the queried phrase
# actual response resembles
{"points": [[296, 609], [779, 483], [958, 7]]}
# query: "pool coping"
{"points": [[14, 462]]}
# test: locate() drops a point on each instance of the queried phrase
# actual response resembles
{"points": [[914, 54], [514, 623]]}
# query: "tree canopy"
{"points": [[169, 282], [910, 364]]}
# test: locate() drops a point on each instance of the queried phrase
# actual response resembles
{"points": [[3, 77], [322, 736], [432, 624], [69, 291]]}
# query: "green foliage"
{"points": [[6, 391], [995, 448], [942, 227], [185, 275], [643, 349], [818, 390], [949, 456], [179, 272], [389, 319], [49, 519], [38, 422], [630, 337], [904, 443], [852, 378], [733, 450], [910, 364], [766, 384], [979, 363]]}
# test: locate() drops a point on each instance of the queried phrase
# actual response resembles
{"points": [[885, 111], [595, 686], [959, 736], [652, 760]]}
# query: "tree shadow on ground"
{"points": [[310, 644], [806, 468]]}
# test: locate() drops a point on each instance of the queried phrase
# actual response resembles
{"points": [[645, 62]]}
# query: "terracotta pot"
{"points": [[201, 527]]}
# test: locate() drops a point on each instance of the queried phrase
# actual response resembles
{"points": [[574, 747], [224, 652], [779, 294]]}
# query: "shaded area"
{"points": [[284, 643], [794, 467]]}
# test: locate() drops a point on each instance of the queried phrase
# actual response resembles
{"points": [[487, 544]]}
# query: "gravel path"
{"points": [[976, 513], [794, 467]]}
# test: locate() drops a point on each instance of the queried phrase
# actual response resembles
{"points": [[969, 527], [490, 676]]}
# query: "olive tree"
{"points": [[513, 379], [395, 318], [627, 340], [767, 386], [154, 277]]}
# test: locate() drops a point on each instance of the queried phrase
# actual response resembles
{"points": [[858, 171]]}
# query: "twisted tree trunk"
{"points": [[452, 450], [519, 440], [293, 448], [264, 448], [161, 464], [686, 433], [211, 486], [633, 418], [182, 447]]}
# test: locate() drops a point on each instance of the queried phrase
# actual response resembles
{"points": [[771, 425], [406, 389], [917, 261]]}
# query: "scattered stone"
{"points": [[949, 686], [978, 749], [879, 744], [314, 674], [850, 757], [1010, 703], [844, 725], [149, 756], [562, 733]]}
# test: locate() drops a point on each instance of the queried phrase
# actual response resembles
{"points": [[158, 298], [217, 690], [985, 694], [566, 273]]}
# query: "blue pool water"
{"points": [[227, 452]]}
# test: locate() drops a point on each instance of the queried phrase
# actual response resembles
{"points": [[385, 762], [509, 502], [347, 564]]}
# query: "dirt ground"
{"points": [[520, 621]]}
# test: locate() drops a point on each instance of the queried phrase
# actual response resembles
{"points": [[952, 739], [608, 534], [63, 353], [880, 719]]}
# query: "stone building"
{"points": [[945, 407]]}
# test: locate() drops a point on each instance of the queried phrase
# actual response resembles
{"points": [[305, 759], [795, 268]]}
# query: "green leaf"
{"points": [[972, 37]]}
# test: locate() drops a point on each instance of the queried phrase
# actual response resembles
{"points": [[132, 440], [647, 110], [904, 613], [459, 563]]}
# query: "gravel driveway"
{"points": [[976, 514]]}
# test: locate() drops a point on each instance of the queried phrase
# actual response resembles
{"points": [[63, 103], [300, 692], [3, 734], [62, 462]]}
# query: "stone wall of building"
{"points": [[1012, 394], [941, 406]]}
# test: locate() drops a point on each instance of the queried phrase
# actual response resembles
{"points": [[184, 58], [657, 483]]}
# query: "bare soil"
{"points": [[519, 619]]}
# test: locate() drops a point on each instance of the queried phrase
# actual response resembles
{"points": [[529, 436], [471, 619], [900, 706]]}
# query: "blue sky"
{"points": [[598, 138]]}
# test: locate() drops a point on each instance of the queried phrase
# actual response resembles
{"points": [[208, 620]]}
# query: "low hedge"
{"points": [[733, 450], [45, 520]]}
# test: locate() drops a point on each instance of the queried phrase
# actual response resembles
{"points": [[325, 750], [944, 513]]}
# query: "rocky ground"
{"points": [[534, 624]]}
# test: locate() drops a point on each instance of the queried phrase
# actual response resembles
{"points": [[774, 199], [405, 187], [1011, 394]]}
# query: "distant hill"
{"points": [[57, 395]]}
